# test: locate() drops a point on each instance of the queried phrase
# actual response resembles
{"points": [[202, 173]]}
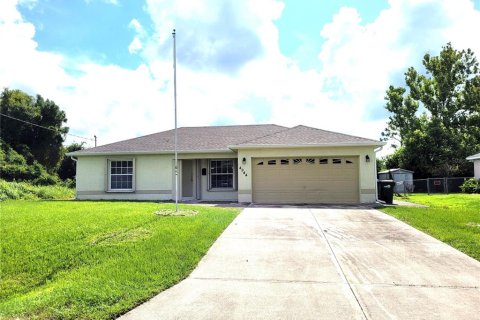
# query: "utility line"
{"points": [[37, 125]]}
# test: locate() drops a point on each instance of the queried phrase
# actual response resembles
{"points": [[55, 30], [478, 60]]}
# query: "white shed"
{"points": [[402, 177], [476, 164]]}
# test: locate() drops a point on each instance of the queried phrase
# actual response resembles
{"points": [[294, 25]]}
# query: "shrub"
{"points": [[26, 191], [14, 167], [471, 186]]}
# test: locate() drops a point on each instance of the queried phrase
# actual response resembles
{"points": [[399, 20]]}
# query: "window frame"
{"points": [[109, 175], [234, 178]]}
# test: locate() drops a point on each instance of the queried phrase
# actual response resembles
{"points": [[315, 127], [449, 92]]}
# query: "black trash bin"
{"points": [[385, 190]]}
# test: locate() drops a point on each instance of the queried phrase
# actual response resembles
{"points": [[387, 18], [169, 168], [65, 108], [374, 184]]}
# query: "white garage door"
{"points": [[305, 180]]}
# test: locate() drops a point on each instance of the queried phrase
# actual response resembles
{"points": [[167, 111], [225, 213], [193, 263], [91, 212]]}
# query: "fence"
{"points": [[430, 185]]}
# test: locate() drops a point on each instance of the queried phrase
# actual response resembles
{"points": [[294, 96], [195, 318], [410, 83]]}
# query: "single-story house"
{"points": [[476, 164], [402, 177], [245, 163]]}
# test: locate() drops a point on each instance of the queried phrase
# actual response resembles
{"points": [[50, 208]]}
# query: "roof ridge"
{"points": [[267, 135], [235, 125], [334, 132], [160, 132]]}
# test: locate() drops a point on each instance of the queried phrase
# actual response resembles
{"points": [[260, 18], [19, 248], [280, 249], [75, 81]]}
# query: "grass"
{"points": [[451, 218], [96, 260], [26, 191]]}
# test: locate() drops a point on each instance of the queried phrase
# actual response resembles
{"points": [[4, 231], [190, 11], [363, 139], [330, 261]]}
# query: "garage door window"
{"points": [[221, 174]]}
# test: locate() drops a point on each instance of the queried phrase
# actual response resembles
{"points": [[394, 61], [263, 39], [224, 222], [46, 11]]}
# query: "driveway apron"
{"points": [[301, 263]]}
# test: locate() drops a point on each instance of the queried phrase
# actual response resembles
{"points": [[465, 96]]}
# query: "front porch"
{"points": [[207, 179]]}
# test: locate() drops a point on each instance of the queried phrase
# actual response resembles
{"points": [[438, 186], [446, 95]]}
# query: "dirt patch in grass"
{"points": [[118, 237], [172, 212], [473, 224]]}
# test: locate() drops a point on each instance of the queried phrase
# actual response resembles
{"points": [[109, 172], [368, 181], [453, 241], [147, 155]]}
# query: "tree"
{"points": [[67, 169], [33, 142], [436, 119], [381, 164]]}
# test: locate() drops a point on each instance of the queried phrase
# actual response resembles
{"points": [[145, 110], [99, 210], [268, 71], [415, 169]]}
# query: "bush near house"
{"points": [[471, 186]]}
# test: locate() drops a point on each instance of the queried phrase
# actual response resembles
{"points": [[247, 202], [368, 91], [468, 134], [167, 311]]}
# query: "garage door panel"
{"points": [[298, 197], [307, 181]]}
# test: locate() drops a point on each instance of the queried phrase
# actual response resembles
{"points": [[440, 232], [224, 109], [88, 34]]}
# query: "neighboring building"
{"points": [[476, 164], [402, 177], [253, 163]]}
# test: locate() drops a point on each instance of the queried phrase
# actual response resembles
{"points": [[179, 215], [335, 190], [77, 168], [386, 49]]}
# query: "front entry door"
{"points": [[187, 179]]}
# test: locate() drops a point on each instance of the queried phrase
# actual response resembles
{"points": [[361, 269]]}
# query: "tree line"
{"points": [[32, 136], [435, 118]]}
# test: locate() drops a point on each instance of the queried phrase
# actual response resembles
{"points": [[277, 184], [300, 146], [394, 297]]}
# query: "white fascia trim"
{"points": [[276, 146], [474, 157], [132, 153], [378, 149]]}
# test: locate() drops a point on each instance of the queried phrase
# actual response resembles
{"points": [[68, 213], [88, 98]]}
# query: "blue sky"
{"points": [[99, 30], [96, 30], [327, 64]]}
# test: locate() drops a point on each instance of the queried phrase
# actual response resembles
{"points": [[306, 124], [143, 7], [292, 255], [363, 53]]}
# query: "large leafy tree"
{"points": [[435, 119], [35, 143]]}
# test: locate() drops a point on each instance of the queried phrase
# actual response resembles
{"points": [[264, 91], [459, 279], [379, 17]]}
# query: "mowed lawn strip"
{"points": [[97, 260], [451, 218]]}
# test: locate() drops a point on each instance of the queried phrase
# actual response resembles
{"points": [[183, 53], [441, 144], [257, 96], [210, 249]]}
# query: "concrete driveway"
{"points": [[300, 263]]}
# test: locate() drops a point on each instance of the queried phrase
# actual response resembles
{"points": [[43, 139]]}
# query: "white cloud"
{"points": [[135, 46], [113, 2], [109, 101], [140, 34], [360, 60], [231, 70]]}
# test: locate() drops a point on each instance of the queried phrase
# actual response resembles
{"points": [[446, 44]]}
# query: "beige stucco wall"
{"points": [[367, 170], [153, 178]]}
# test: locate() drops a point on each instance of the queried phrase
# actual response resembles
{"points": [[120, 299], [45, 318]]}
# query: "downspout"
{"points": [[76, 160], [376, 173]]}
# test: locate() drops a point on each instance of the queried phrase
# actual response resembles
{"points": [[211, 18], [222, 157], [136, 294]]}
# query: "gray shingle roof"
{"points": [[216, 138], [223, 138], [305, 136]]}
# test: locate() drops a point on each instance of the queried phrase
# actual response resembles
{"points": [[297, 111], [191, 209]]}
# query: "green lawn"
{"points": [[96, 260], [451, 218]]}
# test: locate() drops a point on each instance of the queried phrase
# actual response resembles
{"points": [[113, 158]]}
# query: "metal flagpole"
{"points": [[175, 103]]}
